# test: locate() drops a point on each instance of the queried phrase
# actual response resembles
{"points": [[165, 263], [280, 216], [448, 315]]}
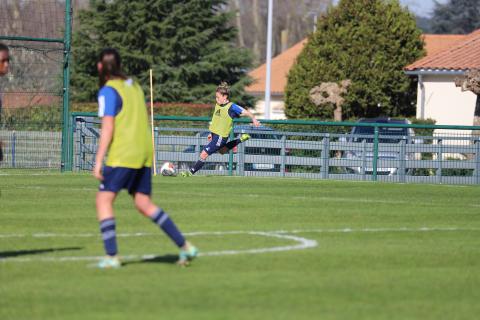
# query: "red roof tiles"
{"points": [[462, 54]]}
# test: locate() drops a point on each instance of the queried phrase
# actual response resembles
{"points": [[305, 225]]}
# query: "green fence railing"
{"points": [[311, 149]]}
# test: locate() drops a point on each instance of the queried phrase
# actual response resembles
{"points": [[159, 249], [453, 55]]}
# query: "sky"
{"points": [[422, 8]]}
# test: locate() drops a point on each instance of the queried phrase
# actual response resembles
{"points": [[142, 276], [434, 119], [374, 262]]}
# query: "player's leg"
{"points": [[158, 216], [232, 144], [141, 191], [114, 180], [198, 165], [216, 143], [1, 151], [106, 219]]}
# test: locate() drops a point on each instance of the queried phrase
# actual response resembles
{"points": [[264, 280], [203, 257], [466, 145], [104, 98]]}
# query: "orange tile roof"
{"points": [[435, 43], [461, 55], [281, 65]]}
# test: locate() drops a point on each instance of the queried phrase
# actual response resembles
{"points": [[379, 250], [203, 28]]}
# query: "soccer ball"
{"points": [[168, 169]]}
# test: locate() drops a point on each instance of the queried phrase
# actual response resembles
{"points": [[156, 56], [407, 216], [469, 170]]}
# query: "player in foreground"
{"points": [[220, 127], [4, 64], [126, 136]]}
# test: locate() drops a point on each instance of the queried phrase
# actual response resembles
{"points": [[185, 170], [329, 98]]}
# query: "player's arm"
{"points": [[108, 123], [109, 105], [242, 112]]}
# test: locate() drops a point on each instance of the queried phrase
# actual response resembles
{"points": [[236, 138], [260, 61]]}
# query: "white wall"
{"points": [[444, 102], [276, 109]]}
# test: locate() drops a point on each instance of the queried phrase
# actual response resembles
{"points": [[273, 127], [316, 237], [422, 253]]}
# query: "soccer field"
{"points": [[270, 249]]}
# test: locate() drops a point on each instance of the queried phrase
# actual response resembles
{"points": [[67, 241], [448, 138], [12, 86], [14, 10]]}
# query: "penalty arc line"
{"points": [[302, 243]]}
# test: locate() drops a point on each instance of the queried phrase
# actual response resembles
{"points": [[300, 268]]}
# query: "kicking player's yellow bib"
{"points": [[221, 123], [131, 146]]}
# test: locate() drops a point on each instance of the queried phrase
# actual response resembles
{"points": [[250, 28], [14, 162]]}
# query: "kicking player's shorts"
{"points": [[215, 144], [134, 180]]}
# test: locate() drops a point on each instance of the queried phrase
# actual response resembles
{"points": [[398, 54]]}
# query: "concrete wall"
{"points": [[444, 102]]}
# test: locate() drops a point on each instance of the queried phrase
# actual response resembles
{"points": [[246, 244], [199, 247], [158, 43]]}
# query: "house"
{"points": [[438, 98], [282, 63]]}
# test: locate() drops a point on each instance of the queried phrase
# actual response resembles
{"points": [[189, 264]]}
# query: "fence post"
{"points": [[13, 142], [375, 154], [402, 159], [241, 159], [477, 161], [230, 157], [440, 161], [325, 156], [283, 154], [155, 149], [83, 151], [364, 159]]}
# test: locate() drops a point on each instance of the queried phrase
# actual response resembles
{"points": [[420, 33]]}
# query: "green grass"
{"points": [[384, 273]]}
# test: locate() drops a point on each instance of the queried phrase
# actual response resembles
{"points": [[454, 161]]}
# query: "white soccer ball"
{"points": [[168, 169]]}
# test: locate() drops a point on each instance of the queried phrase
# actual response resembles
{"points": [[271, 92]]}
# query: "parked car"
{"points": [[261, 132], [390, 135]]}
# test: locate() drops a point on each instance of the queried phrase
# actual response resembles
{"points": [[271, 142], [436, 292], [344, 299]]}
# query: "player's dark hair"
{"points": [[111, 65], [3, 47], [224, 89]]}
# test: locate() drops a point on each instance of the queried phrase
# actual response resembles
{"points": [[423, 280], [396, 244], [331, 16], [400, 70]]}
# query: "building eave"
{"points": [[435, 72]]}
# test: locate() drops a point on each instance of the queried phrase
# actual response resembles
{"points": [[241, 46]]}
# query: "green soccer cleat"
{"points": [[186, 174], [244, 137], [188, 255], [109, 263]]}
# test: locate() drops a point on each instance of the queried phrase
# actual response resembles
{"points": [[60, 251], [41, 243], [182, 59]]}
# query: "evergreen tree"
{"points": [[188, 44], [368, 42], [456, 17]]}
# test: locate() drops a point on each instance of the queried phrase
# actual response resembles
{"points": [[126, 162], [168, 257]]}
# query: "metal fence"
{"points": [[35, 92], [311, 149], [31, 149]]}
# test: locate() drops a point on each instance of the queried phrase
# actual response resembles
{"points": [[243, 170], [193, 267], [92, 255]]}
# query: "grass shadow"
{"points": [[19, 253], [168, 259]]}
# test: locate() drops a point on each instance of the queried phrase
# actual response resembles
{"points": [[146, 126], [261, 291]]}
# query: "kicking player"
{"points": [[126, 137], [220, 127], [4, 64]]}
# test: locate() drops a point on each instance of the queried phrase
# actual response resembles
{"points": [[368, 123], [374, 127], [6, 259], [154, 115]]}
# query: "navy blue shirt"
{"points": [[235, 111]]}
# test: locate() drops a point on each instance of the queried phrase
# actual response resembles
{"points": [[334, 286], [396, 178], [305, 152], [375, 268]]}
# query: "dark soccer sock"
{"points": [[163, 220], [198, 165], [232, 144], [107, 227]]}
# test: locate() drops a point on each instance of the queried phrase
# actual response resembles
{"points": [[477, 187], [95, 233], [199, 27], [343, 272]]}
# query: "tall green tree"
{"points": [[456, 17], [368, 42], [187, 43]]}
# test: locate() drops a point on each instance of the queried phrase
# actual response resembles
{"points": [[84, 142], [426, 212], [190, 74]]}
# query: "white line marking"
{"points": [[203, 233], [302, 243], [298, 198]]}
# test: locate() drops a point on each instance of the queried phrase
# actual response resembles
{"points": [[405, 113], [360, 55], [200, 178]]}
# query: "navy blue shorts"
{"points": [[134, 180], [215, 144]]}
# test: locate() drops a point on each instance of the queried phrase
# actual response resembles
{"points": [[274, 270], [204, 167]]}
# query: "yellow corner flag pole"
{"points": [[151, 120]]}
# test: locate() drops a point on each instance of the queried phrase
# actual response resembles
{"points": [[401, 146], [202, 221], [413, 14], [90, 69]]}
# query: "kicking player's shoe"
{"points": [[244, 137], [186, 174], [186, 256], [109, 263]]}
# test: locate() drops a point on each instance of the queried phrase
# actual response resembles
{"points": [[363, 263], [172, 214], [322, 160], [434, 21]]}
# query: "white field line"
{"points": [[301, 244], [220, 233], [254, 195]]}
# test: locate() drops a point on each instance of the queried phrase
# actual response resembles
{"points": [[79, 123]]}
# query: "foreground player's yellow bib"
{"points": [[221, 123], [131, 146]]}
